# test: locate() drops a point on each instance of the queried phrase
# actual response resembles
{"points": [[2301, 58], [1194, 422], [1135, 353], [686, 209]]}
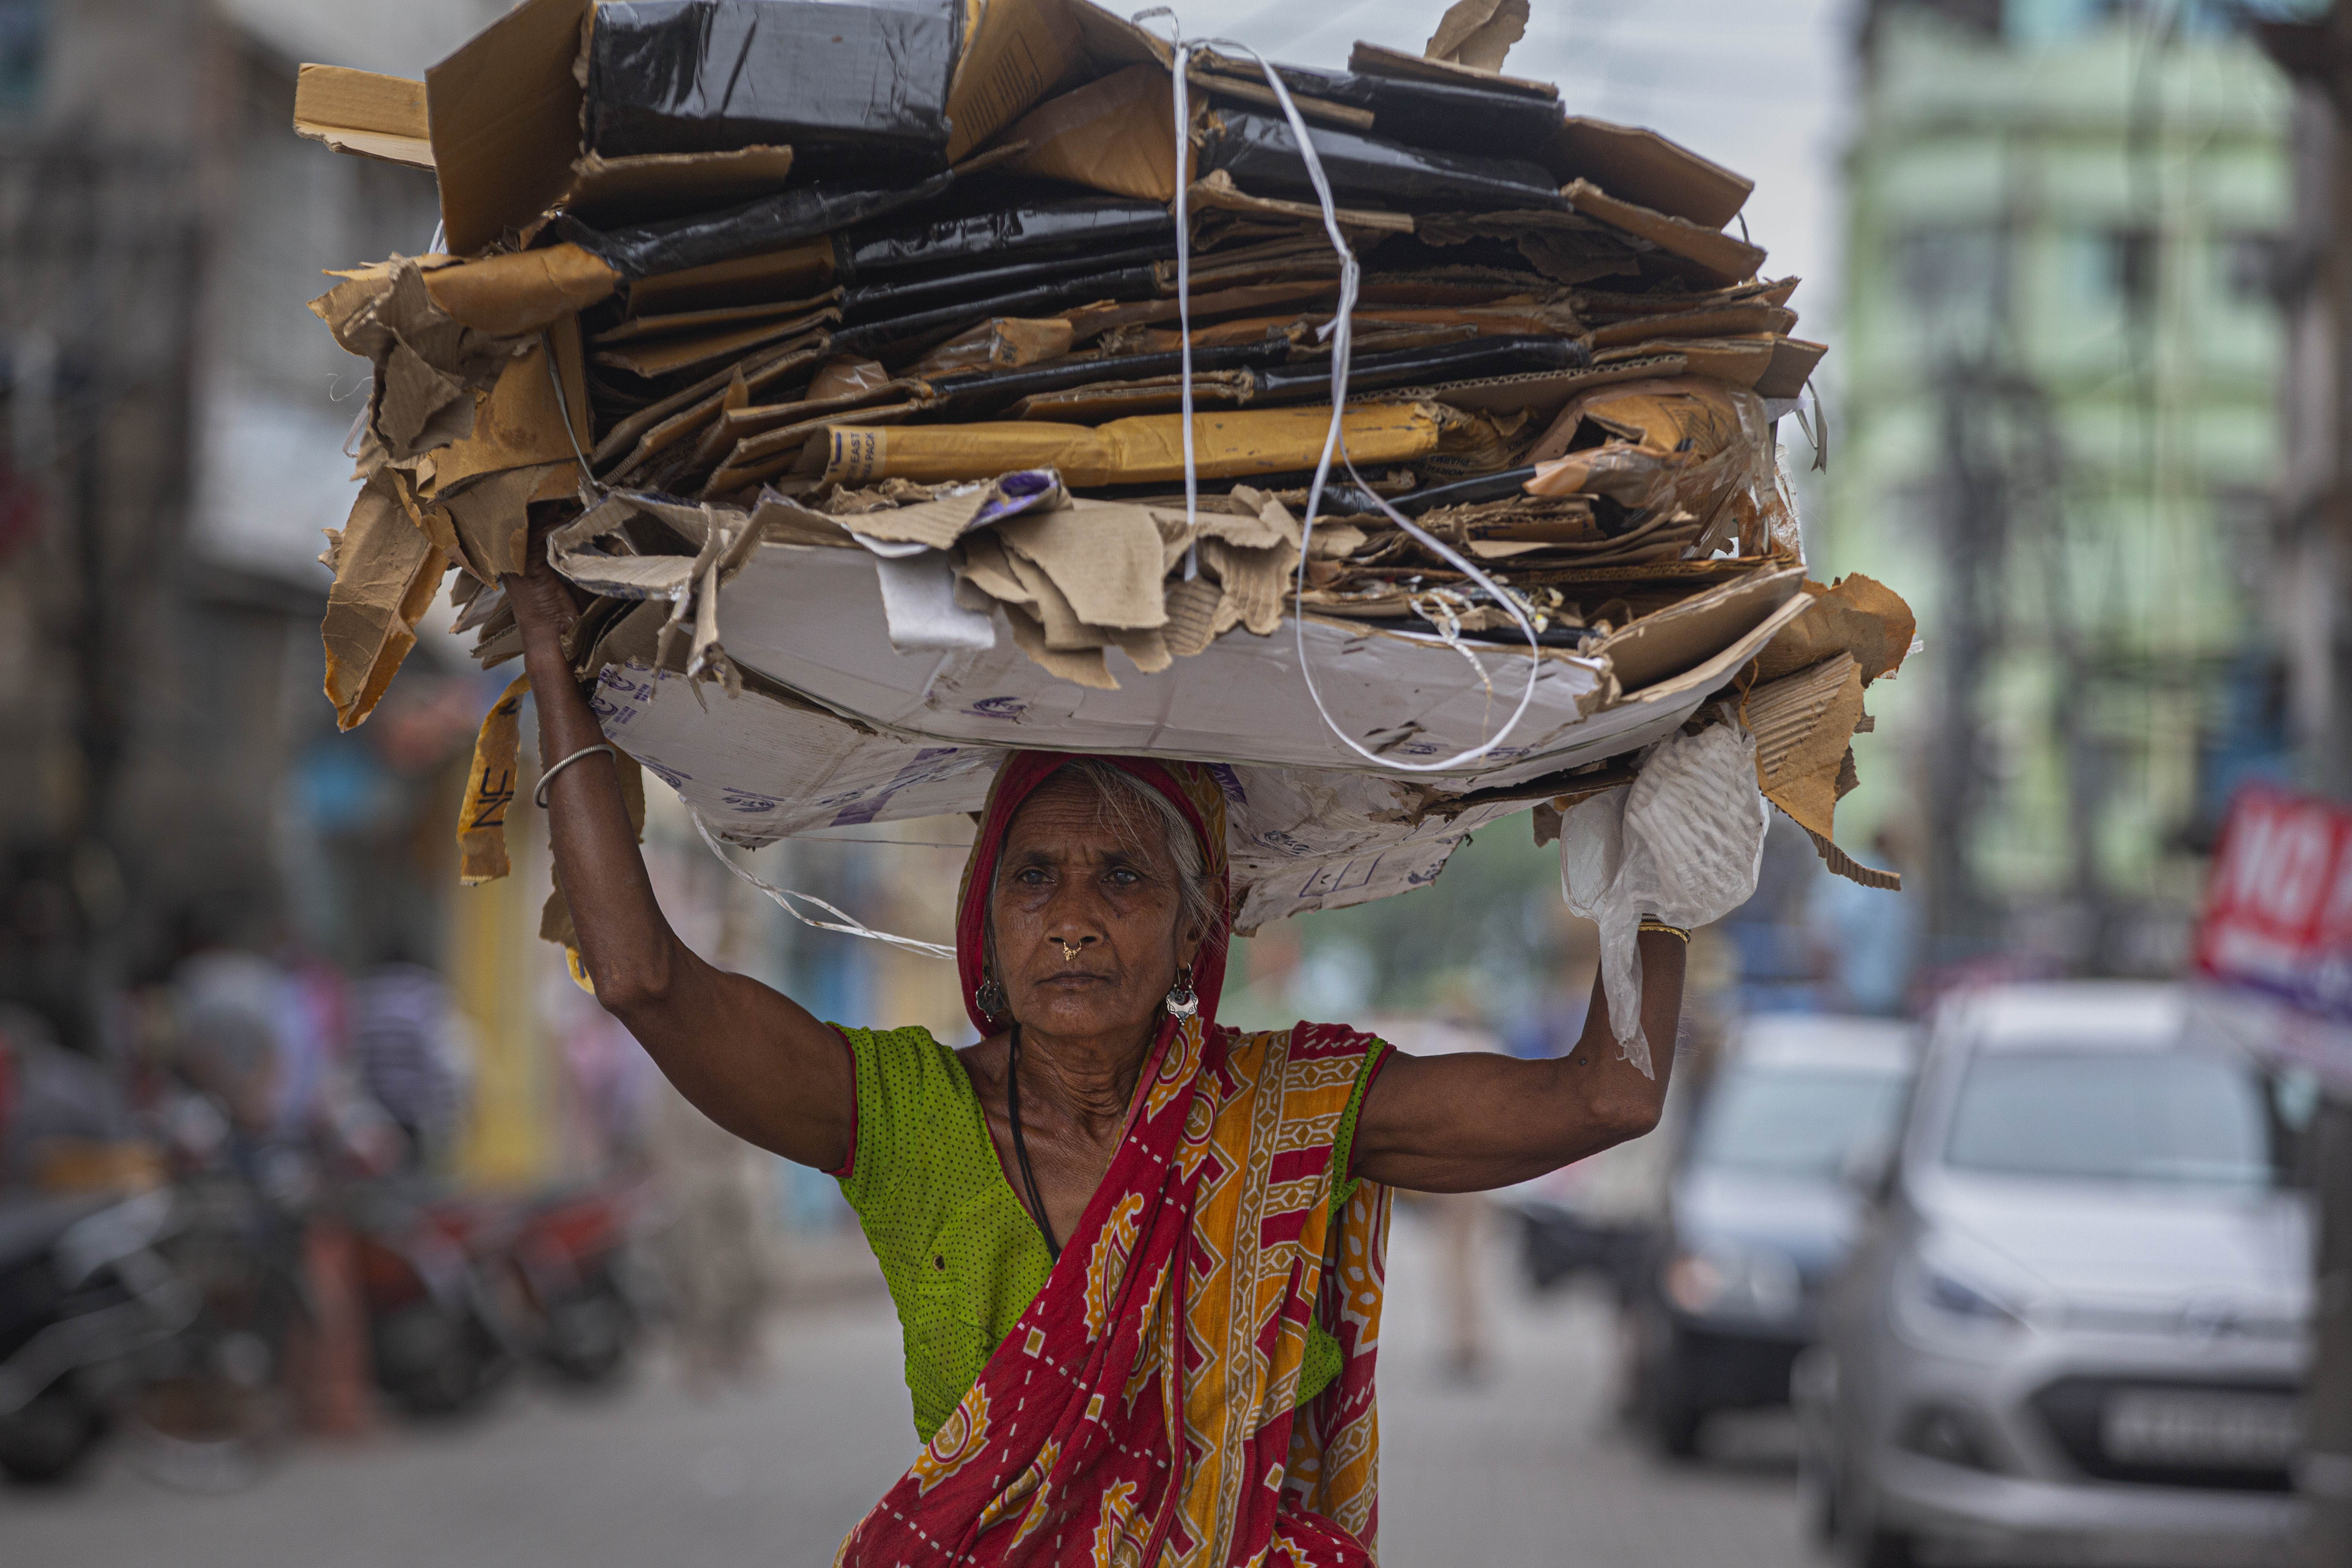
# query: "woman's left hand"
{"points": [[1470, 1123], [546, 606]]}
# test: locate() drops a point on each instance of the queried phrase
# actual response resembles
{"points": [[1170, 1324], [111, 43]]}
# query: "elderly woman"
{"points": [[1137, 1256]]}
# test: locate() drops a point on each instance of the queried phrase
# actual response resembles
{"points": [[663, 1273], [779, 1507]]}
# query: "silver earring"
{"points": [[1183, 1000], [989, 998]]}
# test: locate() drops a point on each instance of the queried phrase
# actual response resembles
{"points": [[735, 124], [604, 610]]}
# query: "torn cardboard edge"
{"points": [[1650, 655], [1854, 615], [1643, 167], [518, 422], [1378, 59], [676, 355], [651, 430], [647, 186], [1213, 74], [676, 323], [1738, 362], [1793, 362], [1804, 724], [789, 272], [387, 569], [1844, 865], [1216, 189], [1715, 322], [522, 291], [1723, 259]]}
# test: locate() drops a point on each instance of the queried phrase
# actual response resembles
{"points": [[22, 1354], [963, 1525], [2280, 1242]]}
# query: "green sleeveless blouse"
{"points": [[959, 1252]]}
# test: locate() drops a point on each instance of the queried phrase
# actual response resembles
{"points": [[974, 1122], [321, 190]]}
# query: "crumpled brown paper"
{"points": [[386, 570]]}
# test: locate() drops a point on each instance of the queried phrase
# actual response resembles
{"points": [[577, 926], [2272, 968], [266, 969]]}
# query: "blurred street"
{"points": [[1524, 1466], [2004, 1167]]}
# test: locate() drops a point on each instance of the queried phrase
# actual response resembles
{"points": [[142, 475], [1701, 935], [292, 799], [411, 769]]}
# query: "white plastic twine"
{"points": [[849, 924], [1340, 333], [1182, 93]]}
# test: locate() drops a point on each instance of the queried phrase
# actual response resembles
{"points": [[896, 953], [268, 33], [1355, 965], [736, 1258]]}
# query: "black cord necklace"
{"points": [[1021, 1144]]}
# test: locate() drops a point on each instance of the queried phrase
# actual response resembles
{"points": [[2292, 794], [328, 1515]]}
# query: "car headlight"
{"points": [[1954, 1297], [1953, 1304], [1733, 1282]]}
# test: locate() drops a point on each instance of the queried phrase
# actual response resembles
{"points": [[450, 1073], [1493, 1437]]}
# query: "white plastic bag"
{"points": [[1683, 842]]}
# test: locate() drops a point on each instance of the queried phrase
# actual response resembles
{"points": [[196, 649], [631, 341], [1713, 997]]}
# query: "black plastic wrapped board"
{"points": [[772, 222], [984, 395], [1431, 114], [836, 80], [1345, 498], [1018, 228], [900, 334], [1475, 358], [1262, 156], [903, 296]]}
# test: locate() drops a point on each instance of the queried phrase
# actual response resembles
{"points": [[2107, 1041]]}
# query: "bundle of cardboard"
{"points": [[844, 349]]}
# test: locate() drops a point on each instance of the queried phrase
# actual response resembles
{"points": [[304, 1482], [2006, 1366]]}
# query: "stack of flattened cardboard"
{"points": [[863, 322]]}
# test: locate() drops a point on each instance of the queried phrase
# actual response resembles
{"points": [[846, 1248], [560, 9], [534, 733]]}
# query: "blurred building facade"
{"points": [[2311, 612], [172, 418], [2060, 351]]}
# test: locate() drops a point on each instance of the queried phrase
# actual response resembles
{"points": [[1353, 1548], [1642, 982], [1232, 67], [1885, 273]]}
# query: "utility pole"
{"points": [[2000, 525], [1971, 518]]}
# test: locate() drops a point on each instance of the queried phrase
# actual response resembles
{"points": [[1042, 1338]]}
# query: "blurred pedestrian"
{"points": [[611, 1082], [1463, 1218], [714, 1247], [409, 1054], [232, 1012], [1865, 940]]}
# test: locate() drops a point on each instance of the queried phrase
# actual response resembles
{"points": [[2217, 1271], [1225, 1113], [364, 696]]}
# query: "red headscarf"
{"points": [[1191, 785]]}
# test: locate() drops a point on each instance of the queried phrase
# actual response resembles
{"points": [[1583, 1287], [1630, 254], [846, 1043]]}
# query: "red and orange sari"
{"points": [[1141, 1412]]}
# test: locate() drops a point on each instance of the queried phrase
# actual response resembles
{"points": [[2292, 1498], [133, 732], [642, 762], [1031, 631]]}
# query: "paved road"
{"points": [[1521, 1471]]}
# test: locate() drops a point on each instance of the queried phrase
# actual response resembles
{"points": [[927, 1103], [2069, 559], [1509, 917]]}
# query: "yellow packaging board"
{"points": [[1145, 450]]}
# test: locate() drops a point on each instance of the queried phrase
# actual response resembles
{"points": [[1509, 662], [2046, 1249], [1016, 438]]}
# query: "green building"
{"points": [[2058, 365]]}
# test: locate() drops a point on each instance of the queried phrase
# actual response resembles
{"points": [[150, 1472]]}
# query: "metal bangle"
{"points": [[1663, 929], [538, 796]]}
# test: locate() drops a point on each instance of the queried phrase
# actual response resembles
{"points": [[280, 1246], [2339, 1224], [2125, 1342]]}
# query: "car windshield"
{"points": [[1795, 1121], [2113, 1116]]}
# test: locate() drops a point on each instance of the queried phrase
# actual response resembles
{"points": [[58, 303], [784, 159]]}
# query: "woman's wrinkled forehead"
{"points": [[1072, 812]]}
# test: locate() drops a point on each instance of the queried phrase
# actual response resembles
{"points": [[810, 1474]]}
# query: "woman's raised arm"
{"points": [[1467, 1123], [754, 1061]]}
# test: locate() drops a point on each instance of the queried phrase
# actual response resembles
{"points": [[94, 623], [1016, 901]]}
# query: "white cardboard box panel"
{"points": [[760, 767], [810, 619]]}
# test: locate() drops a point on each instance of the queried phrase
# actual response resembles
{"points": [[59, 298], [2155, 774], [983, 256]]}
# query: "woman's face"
{"points": [[1085, 916]]}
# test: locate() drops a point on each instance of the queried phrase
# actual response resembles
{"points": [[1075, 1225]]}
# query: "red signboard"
{"points": [[2278, 913]]}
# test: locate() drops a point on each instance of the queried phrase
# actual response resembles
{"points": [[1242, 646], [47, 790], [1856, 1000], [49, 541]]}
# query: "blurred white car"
{"points": [[2075, 1332]]}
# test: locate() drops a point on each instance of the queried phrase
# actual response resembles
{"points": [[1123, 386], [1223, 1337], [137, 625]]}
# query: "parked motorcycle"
{"points": [[461, 1292], [211, 1399], [83, 1293]]}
